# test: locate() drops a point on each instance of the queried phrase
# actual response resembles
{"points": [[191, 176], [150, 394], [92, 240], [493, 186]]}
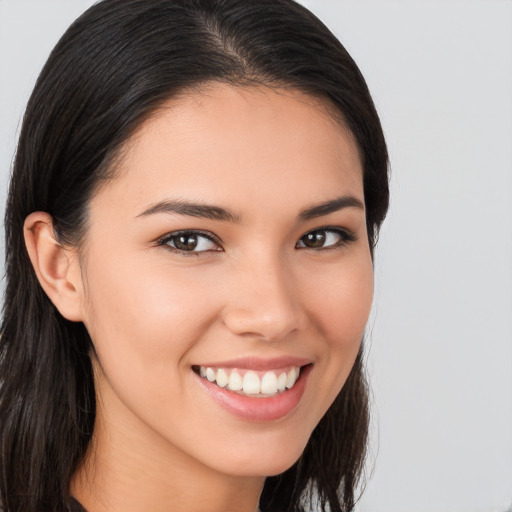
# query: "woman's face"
{"points": [[230, 250]]}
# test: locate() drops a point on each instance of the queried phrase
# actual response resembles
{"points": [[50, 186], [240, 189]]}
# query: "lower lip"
{"points": [[259, 408]]}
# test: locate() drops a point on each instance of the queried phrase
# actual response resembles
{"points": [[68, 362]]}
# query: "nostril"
{"points": [[271, 325]]}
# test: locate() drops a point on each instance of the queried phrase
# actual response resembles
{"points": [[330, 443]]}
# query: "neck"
{"points": [[133, 491]]}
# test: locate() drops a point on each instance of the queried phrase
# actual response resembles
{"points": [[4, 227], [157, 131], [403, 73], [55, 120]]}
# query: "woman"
{"points": [[190, 226]]}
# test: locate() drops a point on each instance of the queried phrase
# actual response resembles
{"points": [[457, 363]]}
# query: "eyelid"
{"points": [[163, 240], [346, 237]]}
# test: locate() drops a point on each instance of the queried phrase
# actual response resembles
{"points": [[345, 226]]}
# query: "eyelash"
{"points": [[345, 237], [167, 239]]}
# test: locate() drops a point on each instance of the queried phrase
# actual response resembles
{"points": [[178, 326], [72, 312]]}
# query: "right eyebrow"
{"points": [[204, 211], [331, 206]]}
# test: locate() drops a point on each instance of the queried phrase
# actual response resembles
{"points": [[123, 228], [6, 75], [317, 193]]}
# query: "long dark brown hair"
{"points": [[112, 68]]}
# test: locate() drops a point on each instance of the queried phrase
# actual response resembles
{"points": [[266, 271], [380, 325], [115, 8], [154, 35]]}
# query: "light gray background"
{"points": [[440, 336]]}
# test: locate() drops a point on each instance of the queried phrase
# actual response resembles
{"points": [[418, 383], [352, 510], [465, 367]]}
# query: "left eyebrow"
{"points": [[331, 206], [205, 211]]}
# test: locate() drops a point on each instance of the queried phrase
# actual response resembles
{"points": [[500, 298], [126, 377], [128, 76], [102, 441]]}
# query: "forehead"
{"points": [[222, 142]]}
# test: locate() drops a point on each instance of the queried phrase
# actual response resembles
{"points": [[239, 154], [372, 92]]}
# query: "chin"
{"points": [[266, 460]]}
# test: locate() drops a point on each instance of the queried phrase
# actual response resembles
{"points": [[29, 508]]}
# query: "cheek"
{"points": [[340, 305], [340, 301], [144, 329], [144, 319]]}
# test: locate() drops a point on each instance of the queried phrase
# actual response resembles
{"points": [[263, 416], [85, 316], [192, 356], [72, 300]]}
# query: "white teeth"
{"points": [[235, 382], [291, 377], [281, 382], [269, 384], [222, 378], [251, 384]]}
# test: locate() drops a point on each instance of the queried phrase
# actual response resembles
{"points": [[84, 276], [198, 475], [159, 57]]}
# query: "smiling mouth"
{"points": [[249, 382]]}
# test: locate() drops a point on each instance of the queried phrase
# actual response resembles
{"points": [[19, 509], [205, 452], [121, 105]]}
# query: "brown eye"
{"points": [[324, 238], [190, 242], [186, 242], [314, 240]]}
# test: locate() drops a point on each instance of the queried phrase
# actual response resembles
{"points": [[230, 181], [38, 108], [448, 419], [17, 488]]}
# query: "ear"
{"points": [[57, 267]]}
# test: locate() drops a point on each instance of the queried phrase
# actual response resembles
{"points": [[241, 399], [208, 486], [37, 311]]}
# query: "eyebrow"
{"points": [[206, 211], [331, 206]]}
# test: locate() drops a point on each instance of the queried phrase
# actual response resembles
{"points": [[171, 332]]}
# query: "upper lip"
{"points": [[258, 363]]}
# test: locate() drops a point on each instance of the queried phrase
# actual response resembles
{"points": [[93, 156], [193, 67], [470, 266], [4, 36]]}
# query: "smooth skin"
{"points": [[253, 285]]}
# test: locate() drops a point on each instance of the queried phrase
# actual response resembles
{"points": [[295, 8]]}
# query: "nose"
{"points": [[264, 302]]}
